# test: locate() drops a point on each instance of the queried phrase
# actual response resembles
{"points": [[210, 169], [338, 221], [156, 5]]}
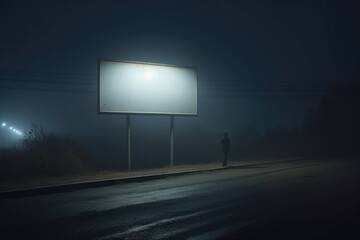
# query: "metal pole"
{"points": [[171, 140], [128, 141]]}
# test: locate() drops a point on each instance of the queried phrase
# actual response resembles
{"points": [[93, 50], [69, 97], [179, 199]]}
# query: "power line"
{"points": [[26, 72], [45, 81], [226, 89], [232, 83], [47, 89]]}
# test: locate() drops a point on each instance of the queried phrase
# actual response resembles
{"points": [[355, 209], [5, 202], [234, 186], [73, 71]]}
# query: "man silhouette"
{"points": [[225, 144]]}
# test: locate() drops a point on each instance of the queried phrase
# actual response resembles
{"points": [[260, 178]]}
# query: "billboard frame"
{"points": [[152, 64]]}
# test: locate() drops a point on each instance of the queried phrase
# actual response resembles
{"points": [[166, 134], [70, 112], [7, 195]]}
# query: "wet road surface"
{"points": [[304, 199]]}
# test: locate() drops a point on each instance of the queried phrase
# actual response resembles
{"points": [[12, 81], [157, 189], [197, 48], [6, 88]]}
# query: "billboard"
{"points": [[146, 88]]}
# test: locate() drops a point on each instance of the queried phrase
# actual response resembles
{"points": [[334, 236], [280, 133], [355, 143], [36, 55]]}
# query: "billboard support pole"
{"points": [[128, 141], [171, 140]]}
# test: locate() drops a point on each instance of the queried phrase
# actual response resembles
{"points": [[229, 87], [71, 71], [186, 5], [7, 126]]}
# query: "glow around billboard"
{"points": [[146, 88]]}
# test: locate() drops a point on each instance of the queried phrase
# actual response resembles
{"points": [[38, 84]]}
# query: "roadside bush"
{"points": [[43, 154]]}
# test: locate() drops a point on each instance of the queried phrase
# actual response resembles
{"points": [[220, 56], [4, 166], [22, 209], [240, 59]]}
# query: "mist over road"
{"points": [[304, 199]]}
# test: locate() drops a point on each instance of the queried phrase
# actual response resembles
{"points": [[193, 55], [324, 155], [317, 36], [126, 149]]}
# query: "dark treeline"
{"points": [[332, 129]]}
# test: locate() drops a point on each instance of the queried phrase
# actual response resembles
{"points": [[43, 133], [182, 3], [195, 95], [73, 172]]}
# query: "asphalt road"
{"points": [[307, 199]]}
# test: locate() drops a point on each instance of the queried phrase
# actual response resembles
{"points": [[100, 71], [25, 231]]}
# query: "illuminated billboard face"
{"points": [[131, 87]]}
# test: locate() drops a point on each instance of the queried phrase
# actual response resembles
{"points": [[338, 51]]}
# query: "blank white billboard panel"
{"points": [[132, 87]]}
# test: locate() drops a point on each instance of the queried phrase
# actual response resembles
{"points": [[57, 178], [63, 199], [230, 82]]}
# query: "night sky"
{"points": [[263, 63]]}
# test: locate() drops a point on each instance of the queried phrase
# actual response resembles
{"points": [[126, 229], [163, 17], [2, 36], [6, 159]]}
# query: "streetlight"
{"points": [[6, 140], [11, 128]]}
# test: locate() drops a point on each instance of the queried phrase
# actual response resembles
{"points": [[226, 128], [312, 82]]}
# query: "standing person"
{"points": [[225, 144]]}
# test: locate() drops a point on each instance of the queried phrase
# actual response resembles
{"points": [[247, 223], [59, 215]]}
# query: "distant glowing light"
{"points": [[149, 74], [12, 129], [16, 131]]}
